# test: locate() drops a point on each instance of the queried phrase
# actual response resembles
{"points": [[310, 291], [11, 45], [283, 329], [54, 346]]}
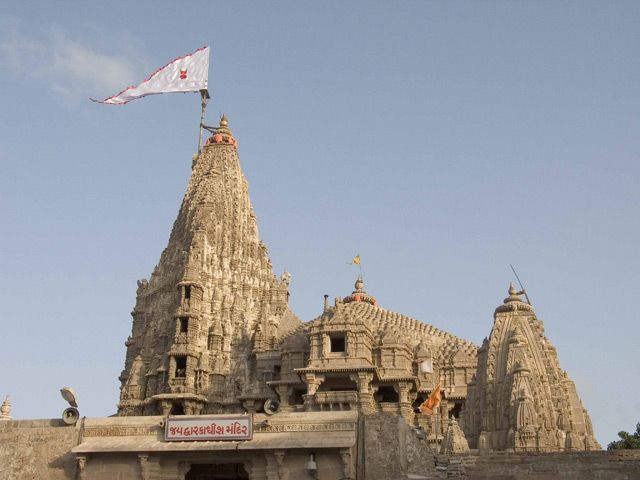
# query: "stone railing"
{"points": [[340, 400], [390, 407]]}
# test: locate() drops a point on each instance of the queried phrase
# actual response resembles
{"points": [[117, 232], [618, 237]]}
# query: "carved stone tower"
{"points": [[520, 399], [194, 321]]}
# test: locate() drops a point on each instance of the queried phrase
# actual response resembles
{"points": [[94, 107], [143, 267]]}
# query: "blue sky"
{"points": [[440, 140]]}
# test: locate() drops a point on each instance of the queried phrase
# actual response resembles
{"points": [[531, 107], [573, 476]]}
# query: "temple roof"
{"points": [[412, 331]]}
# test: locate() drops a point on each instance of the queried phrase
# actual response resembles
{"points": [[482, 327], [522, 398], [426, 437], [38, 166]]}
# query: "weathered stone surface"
{"points": [[454, 441], [37, 449], [391, 449], [617, 465]]}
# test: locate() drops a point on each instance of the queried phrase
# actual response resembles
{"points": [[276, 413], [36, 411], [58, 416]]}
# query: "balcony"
{"points": [[338, 400]]}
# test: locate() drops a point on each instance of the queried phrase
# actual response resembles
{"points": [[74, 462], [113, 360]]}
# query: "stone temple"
{"points": [[214, 340]]}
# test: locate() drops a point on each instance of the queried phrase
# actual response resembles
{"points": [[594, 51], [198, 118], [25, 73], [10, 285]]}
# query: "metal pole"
{"points": [[205, 96]]}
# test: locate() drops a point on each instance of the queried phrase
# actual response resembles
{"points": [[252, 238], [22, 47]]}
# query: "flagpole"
{"points": [[205, 96]]}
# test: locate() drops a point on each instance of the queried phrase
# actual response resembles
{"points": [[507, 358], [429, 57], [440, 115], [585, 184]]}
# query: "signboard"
{"points": [[216, 428]]}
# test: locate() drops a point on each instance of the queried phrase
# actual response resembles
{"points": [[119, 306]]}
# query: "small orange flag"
{"points": [[432, 403]]}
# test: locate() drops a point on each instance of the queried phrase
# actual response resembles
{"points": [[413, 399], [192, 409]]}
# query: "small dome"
{"points": [[359, 295]]}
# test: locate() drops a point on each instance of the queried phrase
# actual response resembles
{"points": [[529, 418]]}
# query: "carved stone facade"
{"points": [[520, 399], [210, 299], [213, 333]]}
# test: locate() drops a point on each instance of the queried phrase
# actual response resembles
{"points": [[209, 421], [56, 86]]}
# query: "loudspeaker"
{"points": [[70, 415], [271, 406]]}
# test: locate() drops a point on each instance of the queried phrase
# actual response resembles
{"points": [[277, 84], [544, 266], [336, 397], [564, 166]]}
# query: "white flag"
{"points": [[427, 366], [189, 73]]}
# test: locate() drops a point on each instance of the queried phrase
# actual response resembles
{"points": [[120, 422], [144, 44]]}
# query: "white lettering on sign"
{"points": [[181, 429]]}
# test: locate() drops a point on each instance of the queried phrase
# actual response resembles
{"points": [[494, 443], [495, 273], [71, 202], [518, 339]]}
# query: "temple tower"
{"points": [[194, 321], [520, 399]]}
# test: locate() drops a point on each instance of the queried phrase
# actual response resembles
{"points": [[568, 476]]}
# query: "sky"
{"points": [[441, 141]]}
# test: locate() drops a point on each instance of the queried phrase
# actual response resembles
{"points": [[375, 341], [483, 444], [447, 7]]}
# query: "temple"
{"points": [[213, 338], [213, 333]]}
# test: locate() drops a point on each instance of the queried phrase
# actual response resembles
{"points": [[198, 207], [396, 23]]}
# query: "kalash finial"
{"points": [[514, 294], [223, 134], [5, 409], [359, 295]]}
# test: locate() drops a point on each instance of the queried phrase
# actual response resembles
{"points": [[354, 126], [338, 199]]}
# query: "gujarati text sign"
{"points": [[180, 429]]}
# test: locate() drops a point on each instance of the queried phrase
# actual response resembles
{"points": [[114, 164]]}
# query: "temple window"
{"points": [[276, 372], [338, 343], [455, 411], [181, 367], [184, 324], [177, 409], [187, 292], [387, 394]]}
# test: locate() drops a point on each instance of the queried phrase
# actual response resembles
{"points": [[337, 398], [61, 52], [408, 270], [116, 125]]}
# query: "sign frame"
{"points": [[201, 426]]}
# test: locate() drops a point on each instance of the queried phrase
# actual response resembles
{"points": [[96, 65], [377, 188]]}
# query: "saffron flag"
{"points": [[355, 261], [429, 406], [189, 73]]}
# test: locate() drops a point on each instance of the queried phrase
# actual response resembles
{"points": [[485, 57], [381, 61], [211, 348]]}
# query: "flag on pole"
{"points": [[426, 366], [189, 73], [355, 261], [429, 406]]}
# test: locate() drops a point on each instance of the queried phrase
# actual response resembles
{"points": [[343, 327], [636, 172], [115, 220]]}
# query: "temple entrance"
{"points": [[217, 471]]}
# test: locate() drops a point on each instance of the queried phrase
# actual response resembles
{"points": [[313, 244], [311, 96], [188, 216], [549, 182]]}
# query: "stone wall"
{"points": [[390, 449], [387, 449], [37, 449], [597, 465]]}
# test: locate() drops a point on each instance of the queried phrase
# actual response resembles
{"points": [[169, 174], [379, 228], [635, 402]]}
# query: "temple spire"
{"points": [[214, 274]]}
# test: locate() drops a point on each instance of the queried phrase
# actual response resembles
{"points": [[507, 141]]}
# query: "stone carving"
{"points": [[454, 441], [5, 409], [518, 412]]}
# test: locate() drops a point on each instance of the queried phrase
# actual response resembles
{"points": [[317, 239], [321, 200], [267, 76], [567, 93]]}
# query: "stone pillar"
{"points": [[284, 391], [406, 411], [165, 406], [365, 394], [313, 382]]}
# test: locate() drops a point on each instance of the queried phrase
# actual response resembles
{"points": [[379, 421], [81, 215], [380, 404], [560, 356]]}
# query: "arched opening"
{"points": [[455, 411], [177, 409], [387, 394], [338, 384], [217, 471], [419, 401]]}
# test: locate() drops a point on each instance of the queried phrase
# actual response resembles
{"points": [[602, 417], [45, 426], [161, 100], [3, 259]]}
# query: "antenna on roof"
{"points": [[520, 283]]}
